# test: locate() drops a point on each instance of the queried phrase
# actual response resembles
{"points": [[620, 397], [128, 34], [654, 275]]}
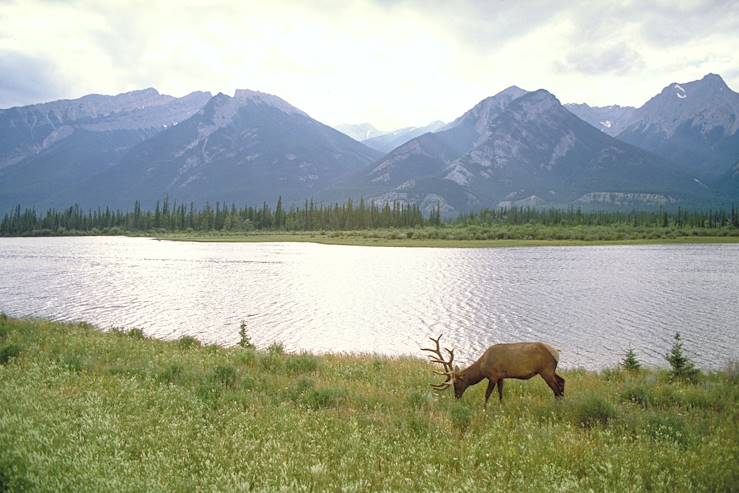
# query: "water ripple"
{"points": [[592, 303]]}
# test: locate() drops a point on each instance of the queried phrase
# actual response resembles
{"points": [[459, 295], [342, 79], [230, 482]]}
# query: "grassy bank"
{"points": [[493, 236], [84, 410]]}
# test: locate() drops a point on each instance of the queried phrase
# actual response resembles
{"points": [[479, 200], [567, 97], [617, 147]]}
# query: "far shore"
{"points": [[348, 238]]}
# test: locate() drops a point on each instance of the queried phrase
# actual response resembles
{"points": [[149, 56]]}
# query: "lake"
{"points": [[591, 302]]}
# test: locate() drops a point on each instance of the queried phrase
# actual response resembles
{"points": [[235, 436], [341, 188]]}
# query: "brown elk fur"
{"points": [[521, 360]]}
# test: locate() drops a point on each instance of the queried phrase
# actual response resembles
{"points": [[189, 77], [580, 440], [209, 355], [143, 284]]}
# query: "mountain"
{"points": [[46, 148], [526, 150], [610, 119], [430, 153], [389, 141], [693, 124], [359, 131], [249, 147]]}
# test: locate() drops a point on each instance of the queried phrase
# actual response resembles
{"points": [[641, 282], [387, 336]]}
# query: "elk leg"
{"points": [[561, 382], [500, 390], [552, 382], [491, 386]]}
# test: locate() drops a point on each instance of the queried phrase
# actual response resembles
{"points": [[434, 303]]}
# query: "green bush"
{"points": [[8, 352], [276, 348], [299, 388], [188, 342], [638, 394], [302, 363], [171, 374], [136, 333], [460, 415], [667, 428], [593, 410], [225, 375], [323, 398]]}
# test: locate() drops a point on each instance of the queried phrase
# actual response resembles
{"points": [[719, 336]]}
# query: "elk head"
{"points": [[450, 372]]}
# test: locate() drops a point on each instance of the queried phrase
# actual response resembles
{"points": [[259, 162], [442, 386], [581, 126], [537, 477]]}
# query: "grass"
{"points": [[490, 236], [86, 410]]}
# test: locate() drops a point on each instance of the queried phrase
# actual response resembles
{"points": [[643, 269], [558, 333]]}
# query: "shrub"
{"points": [[302, 363], [171, 374], [187, 342], [419, 399], [637, 394], [665, 427], [244, 339], [3, 316], [323, 398], [136, 333], [225, 375], [9, 351], [299, 389], [460, 415], [682, 367], [630, 363], [594, 410], [276, 348]]}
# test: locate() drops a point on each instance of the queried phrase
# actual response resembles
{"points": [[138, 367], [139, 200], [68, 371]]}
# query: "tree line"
{"points": [[181, 217], [173, 216], [680, 218]]}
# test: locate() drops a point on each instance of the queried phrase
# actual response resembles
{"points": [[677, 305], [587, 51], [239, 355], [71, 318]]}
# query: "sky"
{"points": [[390, 63]]}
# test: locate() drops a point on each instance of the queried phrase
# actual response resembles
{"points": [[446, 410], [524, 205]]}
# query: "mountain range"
{"points": [[517, 147]]}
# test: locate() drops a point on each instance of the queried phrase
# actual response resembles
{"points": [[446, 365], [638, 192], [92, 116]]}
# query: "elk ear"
{"points": [[456, 368]]}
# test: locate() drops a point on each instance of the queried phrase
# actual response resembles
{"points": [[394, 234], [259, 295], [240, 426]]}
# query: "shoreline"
{"points": [[436, 243]]}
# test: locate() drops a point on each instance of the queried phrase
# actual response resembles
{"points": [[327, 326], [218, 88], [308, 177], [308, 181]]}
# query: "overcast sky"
{"points": [[391, 63]]}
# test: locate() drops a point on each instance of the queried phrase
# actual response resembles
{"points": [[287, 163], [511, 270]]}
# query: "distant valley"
{"points": [[515, 148]]}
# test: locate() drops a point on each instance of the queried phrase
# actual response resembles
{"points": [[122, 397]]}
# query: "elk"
{"points": [[520, 360]]}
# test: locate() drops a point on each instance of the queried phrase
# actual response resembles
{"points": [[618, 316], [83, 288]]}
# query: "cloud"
{"points": [[28, 79], [619, 59], [394, 63]]}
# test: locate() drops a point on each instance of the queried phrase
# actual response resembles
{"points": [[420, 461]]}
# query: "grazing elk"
{"points": [[521, 360]]}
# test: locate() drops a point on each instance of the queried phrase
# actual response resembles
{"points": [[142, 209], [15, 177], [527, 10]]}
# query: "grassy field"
{"points": [[475, 237], [83, 410]]}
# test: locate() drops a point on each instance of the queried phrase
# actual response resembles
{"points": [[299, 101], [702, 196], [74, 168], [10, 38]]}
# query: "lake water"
{"points": [[591, 302]]}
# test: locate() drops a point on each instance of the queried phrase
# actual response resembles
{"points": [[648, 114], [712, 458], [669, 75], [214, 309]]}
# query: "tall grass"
{"points": [[83, 410]]}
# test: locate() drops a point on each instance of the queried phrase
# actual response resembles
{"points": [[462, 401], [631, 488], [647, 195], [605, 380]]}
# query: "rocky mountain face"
{"points": [[389, 141], [693, 124], [525, 149], [609, 119], [249, 147], [359, 131], [47, 148], [430, 153], [514, 148]]}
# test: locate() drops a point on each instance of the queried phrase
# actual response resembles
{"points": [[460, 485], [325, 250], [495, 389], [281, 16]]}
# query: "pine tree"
{"points": [[630, 362], [682, 367]]}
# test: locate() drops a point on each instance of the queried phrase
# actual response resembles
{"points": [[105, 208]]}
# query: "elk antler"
{"points": [[436, 357]]}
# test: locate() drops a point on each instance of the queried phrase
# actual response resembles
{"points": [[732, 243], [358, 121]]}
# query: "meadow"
{"points": [[87, 410]]}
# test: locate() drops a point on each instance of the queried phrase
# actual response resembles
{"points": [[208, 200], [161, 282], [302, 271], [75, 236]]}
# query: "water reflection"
{"points": [[591, 302]]}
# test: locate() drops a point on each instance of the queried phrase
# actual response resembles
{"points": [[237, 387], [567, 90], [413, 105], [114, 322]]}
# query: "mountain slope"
{"points": [[428, 154], [252, 146], [50, 147], [389, 141], [535, 152], [359, 131], [694, 124], [609, 119]]}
